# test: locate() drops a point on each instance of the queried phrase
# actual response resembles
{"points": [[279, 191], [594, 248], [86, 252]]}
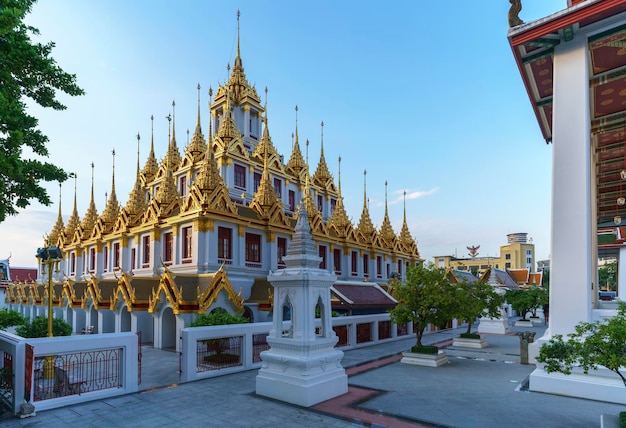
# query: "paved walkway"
{"points": [[478, 388]]}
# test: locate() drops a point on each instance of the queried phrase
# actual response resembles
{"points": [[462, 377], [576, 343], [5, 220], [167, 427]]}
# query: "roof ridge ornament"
{"points": [[516, 7]]}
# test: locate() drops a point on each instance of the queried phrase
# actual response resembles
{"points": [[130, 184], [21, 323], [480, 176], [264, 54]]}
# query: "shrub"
{"points": [[39, 327], [599, 343], [218, 318], [469, 336], [9, 318], [424, 349]]}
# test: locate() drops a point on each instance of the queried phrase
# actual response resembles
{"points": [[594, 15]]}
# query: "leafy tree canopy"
{"points": [[425, 297], [9, 318], [27, 70], [528, 300], [477, 299], [218, 318], [39, 327], [600, 343]]}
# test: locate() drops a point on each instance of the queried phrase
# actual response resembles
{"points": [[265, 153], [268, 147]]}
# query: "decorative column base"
{"points": [[428, 360], [462, 342], [302, 380], [493, 326], [27, 410]]}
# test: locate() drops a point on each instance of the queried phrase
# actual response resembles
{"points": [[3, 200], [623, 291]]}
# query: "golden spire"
{"points": [[74, 220], [405, 235], [365, 226], [339, 219], [151, 167], [196, 148], [296, 162], [209, 140], [209, 175], [237, 83], [112, 209], [265, 150], [57, 230], [136, 200], [265, 196], [386, 231], [228, 130], [172, 156], [167, 192], [309, 203], [91, 216], [322, 174]]}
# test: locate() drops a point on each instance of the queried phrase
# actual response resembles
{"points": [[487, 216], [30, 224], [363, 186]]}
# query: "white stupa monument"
{"points": [[302, 366]]}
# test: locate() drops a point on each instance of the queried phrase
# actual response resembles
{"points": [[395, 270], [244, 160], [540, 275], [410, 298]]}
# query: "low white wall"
{"points": [[191, 336], [68, 345]]}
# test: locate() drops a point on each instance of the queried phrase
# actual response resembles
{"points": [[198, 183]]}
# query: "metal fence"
{"points": [[259, 344], [218, 353], [76, 373]]}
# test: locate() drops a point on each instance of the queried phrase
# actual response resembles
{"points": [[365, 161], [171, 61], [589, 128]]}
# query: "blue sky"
{"points": [[423, 95]]}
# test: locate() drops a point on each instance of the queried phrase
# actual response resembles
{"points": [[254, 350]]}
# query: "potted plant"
{"points": [[425, 297], [475, 299]]}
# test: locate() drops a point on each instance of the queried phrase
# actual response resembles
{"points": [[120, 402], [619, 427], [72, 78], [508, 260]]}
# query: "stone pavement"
{"points": [[478, 388]]}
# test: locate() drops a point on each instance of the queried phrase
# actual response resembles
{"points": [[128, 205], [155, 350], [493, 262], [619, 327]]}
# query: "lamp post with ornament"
{"points": [[49, 258]]}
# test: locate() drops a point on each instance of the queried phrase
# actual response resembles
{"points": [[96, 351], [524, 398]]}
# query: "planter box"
{"points": [[469, 343], [523, 323], [428, 360], [535, 320]]}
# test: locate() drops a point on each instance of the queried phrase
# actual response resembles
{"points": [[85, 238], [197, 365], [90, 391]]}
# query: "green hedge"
{"points": [[470, 336], [424, 349]]}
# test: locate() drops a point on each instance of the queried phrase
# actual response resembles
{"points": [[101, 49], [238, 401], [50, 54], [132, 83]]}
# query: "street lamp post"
{"points": [[49, 258]]}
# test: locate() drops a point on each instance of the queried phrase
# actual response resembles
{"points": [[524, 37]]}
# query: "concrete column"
{"points": [[621, 272], [572, 210]]}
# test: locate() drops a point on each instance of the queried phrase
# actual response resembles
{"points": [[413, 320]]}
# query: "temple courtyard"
{"points": [[478, 388]]}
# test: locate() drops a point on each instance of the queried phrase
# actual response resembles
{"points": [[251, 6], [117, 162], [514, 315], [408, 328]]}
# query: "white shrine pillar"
{"points": [[572, 213], [573, 244], [621, 274], [302, 365]]}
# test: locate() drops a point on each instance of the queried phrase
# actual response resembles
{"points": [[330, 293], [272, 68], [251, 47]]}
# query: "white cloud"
{"points": [[411, 194]]}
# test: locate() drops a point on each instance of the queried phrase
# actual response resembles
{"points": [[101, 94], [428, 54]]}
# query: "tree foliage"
{"points": [[38, 327], [218, 318], [600, 343], [477, 299], [607, 276], [27, 71], [527, 300], [425, 297], [9, 318]]}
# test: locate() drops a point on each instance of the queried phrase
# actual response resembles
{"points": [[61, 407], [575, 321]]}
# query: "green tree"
{"points": [[9, 318], [529, 300], [218, 318], [607, 275], [600, 343], [476, 299], [39, 327], [425, 297], [27, 70]]}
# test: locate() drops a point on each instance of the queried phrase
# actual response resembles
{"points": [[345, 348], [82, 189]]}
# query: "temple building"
{"points": [[572, 64], [204, 226]]}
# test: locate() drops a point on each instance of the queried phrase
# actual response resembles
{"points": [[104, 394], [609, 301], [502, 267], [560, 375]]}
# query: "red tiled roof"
{"points": [[23, 274], [519, 275], [365, 295]]}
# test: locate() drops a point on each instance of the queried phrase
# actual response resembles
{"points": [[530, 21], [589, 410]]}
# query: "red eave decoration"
{"points": [[564, 21]]}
